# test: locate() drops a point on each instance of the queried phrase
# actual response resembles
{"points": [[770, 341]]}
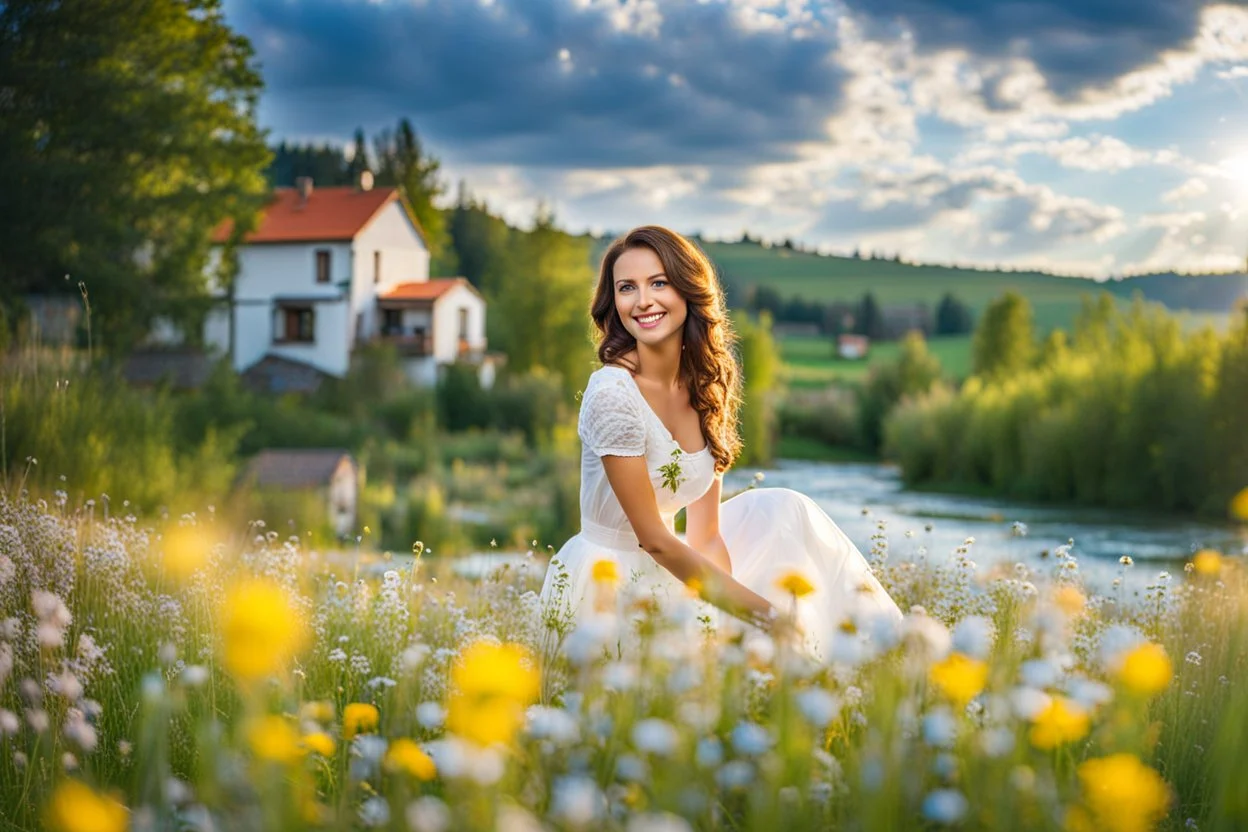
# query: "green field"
{"points": [[1055, 299], [810, 361]]}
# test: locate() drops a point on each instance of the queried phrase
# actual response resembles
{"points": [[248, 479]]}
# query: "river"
{"points": [[942, 522]]}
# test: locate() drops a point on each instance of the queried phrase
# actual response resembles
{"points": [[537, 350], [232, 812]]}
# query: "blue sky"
{"points": [[1094, 137]]}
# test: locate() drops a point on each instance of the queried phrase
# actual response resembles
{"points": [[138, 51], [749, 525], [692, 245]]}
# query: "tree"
{"points": [[541, 306], [913, 372], [402, 161], [358, 162], [482, 244], [122, 146], [1004, 341], [953, 317], [870, 319], [760, 365]]}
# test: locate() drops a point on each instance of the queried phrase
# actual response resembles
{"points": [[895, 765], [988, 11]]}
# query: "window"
{"points": [[392, 322], [296, 324], [376, 266], [463, 324], [322, 265]]}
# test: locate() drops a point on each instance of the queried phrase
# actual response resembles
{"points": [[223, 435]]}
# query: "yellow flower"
{"points": [[1069, 600], [407, 757], [1207, 562], [959, 677], [185, 550], [319, 711], [1146, 670], [1239, 506], [795, 583], [320, 742], [606, 572], [359, 718], [274, 739], [1122, 794], [261, 629], [491, 686], [1060, 722], [76, 807]]}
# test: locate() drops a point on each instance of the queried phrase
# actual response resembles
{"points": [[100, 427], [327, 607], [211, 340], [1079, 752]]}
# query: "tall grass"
{"points": [[209, 677]]}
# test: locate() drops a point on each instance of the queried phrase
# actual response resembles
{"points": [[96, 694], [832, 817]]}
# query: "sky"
{"points": [[1089, 137]]}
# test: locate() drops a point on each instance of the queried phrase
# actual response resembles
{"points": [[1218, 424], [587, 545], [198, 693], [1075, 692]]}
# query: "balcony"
{"points": [[409, 343]]}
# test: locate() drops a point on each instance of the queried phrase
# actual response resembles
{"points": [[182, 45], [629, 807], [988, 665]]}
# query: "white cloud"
{"points": [[1190, 189]]}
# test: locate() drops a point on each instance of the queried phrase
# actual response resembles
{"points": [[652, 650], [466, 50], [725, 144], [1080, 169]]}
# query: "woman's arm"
{"points": [[630, 479], [702, 526]]}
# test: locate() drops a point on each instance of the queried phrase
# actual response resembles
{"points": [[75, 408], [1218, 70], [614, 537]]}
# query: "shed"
{"points": [[331, 472]]}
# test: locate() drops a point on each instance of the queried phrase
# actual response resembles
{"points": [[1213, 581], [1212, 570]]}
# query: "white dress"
{"points": [[769, 532]]}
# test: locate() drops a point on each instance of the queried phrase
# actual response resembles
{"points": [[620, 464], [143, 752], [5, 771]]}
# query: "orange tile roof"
{"points": [[331, 214], [424, 289]]}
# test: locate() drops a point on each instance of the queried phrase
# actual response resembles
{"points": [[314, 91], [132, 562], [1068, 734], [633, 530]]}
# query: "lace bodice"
{"points": [[616, 420]]}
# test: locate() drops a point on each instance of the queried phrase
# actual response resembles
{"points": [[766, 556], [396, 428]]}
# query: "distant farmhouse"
{"points": [[327, 269]]}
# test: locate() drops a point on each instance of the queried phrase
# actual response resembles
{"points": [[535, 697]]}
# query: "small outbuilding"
{"points": [[331, 473]]}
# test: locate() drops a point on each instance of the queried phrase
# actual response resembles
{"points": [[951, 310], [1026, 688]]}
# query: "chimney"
{"points": [[304, 184], [365, 181]]}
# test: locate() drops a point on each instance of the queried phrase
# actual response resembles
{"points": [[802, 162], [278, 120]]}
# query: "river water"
{"points": [[942, 522]]}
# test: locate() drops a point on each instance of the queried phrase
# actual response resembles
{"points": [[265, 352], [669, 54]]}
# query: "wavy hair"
{"points": [[708, 367]]}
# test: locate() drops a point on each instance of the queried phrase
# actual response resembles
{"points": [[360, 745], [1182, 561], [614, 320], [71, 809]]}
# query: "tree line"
{"points": [[866, 316]]}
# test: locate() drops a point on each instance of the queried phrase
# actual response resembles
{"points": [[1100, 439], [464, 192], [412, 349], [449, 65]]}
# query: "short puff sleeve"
{"points": [[611, 421]]}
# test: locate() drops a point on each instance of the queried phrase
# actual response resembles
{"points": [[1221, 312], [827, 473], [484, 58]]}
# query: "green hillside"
{"points": [[1055, 299]]}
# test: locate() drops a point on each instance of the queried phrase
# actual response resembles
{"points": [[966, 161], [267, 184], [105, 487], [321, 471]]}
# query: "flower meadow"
{"points": [[189, 676]]}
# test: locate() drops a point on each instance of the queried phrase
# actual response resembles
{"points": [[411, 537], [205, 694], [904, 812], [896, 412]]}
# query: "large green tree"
{"points": [[402, 161], [127, 133], [1004, 341]]}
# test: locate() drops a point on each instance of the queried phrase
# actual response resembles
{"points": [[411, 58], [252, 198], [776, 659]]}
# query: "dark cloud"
{"points": [[1076, 44], [487, 81]]}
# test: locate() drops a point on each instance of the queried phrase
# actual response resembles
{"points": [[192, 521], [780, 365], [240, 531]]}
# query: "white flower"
{"points": [[577, 801], [655, 736], [750, 738], [1028, 702], [944, 806], [736, 774], [9, 723], [1039, 673], [375, 812], [194, 675], [554, 724], [939, 728], [619, 676], [428, 814], [818, 706], [658, 822], [973, 636]]}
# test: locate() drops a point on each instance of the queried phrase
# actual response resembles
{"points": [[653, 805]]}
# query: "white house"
{"points": [[329, 268], [332, 474]]}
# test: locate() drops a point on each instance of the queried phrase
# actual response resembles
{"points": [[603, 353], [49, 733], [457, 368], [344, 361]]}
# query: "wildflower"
{"points": [[945, 806], [795, 583], [186, 550], [406, 756], [1146, 670], [1069, 600], [1121, 794], [273, 739], [1126, 560], [1060, 722], [428, 814], [320, 742], [261, 629], [1207, 561], [321, 711], [606, 571], [959, 677], [491, 686], [359, 718], [76, 807], [655, 736], [1239, 506]]}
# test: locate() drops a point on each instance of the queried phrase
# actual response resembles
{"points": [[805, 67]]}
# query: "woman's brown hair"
{"points": [[708, 368]]}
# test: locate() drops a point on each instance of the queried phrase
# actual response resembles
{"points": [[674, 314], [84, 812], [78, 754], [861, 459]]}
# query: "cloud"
{"points": [[1190, 189], [587, 83]]}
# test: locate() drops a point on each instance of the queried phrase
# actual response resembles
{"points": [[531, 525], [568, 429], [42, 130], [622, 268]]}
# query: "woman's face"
{"points": [[649, 306]]}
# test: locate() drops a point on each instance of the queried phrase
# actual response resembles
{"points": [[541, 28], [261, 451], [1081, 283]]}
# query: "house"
{"points": [[852, 347], [331, 474], [327, 269]]}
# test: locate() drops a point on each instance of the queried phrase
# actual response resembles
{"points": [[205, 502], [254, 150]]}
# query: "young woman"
{"points": [[658, 423]]}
